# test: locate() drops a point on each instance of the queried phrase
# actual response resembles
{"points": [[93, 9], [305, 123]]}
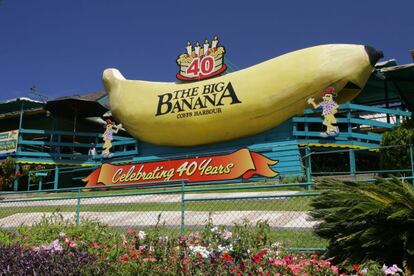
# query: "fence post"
{"points": [[352, 166], [182, 208], [412, 163], [78, 208], [308, 166]]}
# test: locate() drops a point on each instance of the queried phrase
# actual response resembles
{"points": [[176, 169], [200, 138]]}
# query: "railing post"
{"points": [[182, 208], [349, 126], [352, 165], [56, 180], [28, 181], [412, 163], [308, 166], [78, 208], [16, 180], [40, 183]]}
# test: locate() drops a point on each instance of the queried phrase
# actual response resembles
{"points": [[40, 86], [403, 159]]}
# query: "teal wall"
{"points": [[277, 144]]}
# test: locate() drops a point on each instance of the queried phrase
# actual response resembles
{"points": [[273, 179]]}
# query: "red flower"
{"points": [[236, 272], [124, 258], [356, 267], [134, 254], [227, 258], [259, 256]]}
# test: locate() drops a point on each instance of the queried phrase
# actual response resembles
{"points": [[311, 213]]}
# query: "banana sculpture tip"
{"points": [[110, 77]]}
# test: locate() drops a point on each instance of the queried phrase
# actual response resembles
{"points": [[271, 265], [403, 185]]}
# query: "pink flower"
{"points": [[67, 240], [72, 244], [295, 269], [227, 235], [277, 262], [130, 231], [334, 269], [95, 245], [141, 235], [149, 259]]}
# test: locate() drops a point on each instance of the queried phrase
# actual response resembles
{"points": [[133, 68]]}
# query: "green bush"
{"points": [[367, 221], [396, 154]]}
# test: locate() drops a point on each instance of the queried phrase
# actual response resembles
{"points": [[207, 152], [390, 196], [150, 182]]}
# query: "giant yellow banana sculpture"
{"points": [[238, 104]]}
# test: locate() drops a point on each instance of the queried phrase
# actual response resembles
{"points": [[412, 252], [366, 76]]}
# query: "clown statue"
{"points": [[110, 129], [329, 109]]}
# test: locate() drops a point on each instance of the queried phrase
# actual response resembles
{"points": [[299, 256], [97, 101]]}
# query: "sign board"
{"points": [[201, 61], [8, 141], [239, 164]]}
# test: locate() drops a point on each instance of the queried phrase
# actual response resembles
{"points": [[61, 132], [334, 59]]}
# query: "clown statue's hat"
{"points": [[330, 90]]}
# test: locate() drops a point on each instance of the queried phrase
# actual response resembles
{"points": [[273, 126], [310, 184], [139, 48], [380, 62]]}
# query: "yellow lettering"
{"points": [[115, 177]]}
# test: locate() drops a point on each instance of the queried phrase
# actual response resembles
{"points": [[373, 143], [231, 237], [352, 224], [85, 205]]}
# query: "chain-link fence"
{"points": [[175, 211]]}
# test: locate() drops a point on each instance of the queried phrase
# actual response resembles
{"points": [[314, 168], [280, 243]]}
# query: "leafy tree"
{"points": [[397, 156], [7, 170], [8, 173], [367, 221]]}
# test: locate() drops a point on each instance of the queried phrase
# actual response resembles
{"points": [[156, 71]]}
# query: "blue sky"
{"points": [[63, 46]]}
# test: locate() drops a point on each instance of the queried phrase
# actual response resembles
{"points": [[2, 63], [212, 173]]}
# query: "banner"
{"points": [[8, 141], [239, 164]]}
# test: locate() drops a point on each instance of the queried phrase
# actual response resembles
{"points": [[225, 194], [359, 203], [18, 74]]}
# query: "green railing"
{"points": [[352, 166], [67, 147], [353, 120]]}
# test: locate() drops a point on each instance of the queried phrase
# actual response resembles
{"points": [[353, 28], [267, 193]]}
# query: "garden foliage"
{"points": [[60, 247], [17, 260], [367, 221], [396, 152]]}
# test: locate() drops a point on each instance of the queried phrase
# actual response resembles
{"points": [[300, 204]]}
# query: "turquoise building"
{"points": [[64, 136]]}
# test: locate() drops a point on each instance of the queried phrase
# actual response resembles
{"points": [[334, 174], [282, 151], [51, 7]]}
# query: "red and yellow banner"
{"points": [[241, 163]]}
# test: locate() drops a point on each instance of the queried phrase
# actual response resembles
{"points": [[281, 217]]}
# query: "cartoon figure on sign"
{"points": [[329, 109], [110, 129]]}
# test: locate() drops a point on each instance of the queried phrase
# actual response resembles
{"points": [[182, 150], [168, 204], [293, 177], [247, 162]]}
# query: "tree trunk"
{"points": [[408, 264]]}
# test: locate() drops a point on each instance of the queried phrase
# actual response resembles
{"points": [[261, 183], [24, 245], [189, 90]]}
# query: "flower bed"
{"points": [[57, 247]]}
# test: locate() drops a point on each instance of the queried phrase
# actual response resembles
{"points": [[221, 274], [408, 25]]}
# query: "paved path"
{"points": [[276, 219], [125, 198]]}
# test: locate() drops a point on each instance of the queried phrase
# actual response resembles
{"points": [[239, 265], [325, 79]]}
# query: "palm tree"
{"points": [[367, 221]]}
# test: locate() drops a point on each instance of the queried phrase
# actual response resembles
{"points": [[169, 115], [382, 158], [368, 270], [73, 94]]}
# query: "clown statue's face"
{"points": [[327, 98]]}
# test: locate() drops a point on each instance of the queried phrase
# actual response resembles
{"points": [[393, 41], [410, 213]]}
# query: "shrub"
{"points": [[15, 260], [367, 221], [398, 156]]}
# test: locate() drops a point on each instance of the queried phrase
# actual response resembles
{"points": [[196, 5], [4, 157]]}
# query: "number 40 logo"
{"points": [[201, 66]]}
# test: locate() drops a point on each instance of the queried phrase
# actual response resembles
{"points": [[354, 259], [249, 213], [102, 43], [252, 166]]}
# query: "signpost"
{"points": [[8, 141]]}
